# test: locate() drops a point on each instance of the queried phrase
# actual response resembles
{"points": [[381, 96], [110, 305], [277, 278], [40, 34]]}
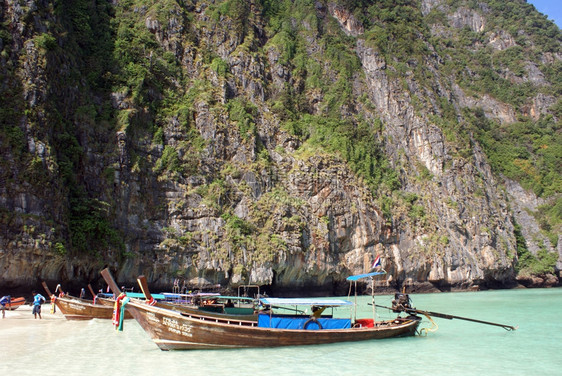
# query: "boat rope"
{"points": [[423, 331]]}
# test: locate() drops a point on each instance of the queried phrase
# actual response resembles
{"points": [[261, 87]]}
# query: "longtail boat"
{"points": [[74, 308], [212, 305], [80, 309], [174, 330]]}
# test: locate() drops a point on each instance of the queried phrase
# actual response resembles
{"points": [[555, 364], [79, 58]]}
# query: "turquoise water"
{"points": [[54, 346]]}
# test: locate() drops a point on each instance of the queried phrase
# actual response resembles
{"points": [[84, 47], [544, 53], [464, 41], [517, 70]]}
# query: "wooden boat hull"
{"points": [[80, 309], [15, 303], [173, 330]]}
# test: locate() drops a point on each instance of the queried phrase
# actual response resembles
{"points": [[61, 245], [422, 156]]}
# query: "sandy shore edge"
{"points": [[23, 315]]}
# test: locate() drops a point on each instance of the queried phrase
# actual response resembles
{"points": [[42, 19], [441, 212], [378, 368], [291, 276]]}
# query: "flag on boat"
{"points": [[377, 262]]}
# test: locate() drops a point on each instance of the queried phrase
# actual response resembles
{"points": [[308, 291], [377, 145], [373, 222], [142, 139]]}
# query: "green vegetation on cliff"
{"points": [[125, 98]]}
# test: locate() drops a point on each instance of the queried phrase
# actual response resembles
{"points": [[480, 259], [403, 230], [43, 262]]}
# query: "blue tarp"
{"points": [[361, 276], [297, 322]]}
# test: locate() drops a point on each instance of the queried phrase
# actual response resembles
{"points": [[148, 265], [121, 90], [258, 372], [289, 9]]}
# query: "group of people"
{"points": [[38, 299]]}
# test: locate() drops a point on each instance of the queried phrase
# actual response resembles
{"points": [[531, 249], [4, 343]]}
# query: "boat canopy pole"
{"points": [[355, 306], [355, 278], [373, 298]]}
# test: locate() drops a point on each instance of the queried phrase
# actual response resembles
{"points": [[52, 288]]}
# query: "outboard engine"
{"points": [[401, 302]]}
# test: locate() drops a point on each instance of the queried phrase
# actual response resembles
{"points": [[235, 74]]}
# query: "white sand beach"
{"points": [[23, 316]]}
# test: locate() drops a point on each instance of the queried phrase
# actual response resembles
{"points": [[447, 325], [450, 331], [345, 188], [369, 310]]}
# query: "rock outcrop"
{"points": [[225, 192]]}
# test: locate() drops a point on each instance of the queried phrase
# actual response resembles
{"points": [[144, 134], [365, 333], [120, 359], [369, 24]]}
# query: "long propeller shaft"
{"points": [[450, 317]]}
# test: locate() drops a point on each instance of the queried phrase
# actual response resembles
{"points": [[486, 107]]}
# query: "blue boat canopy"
{"points": [[137, 295], [306, 302], [140, 295], [361, 276]]}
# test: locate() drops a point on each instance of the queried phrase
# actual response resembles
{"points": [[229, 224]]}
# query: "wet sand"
{"points": [[23, 316]]}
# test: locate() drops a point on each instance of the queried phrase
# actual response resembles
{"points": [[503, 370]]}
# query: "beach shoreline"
{"points": [[23, 316]]}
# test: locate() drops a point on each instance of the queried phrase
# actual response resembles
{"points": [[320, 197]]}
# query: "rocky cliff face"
{"points": [[199, 173]]}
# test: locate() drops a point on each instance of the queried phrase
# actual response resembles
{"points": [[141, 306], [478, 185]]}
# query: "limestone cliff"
{"points": [[276, 143]]}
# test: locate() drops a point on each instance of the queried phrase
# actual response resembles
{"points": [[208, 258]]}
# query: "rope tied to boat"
{"points": [[423, 331]]}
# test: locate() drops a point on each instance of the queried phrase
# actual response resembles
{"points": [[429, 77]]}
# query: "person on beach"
{"points": [[3, 301], [38, 299]]}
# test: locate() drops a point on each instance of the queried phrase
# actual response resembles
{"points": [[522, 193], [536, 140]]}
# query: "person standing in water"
{"points": [[38, 299]]}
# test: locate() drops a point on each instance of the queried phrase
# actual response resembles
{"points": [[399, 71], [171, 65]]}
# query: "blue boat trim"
{"points": [[361, 276]]}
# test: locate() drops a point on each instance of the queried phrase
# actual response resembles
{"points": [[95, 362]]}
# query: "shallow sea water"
{"points": [[55, 346]]}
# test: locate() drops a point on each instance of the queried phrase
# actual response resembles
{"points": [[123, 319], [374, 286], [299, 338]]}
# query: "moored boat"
{"points": [[219, 310], [174, 330], [74, 308], [212, 305], [80, 309]]}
